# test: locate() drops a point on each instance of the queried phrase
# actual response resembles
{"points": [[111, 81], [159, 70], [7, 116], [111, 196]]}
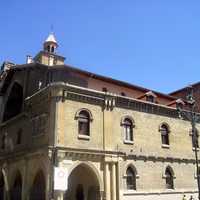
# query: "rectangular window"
{"points": [[150, 99], [128, 133], [165, 140], [83, 127], [130, 181]]}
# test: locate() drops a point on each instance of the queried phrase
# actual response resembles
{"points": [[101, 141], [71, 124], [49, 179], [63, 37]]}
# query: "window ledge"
{"points": [[84, 137], [137, 176], [170, 189], [165, 146], [129, 191], [128, 142], [193, 149]]}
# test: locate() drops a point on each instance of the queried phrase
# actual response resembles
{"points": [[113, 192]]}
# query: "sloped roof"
{"points": [[184, 88], [95, 76]]}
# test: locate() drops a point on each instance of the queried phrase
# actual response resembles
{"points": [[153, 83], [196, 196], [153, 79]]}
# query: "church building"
{"points": [[111, 140]]}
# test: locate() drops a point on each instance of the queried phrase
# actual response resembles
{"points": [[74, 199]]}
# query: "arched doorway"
{"points": [[83, 184], [14, 103], [16, 190], [2, 183], [38, 187]]}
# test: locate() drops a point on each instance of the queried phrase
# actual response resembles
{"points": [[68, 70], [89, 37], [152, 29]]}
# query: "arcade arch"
{"points": [[83, 183], [16, 190], [38, 187]]}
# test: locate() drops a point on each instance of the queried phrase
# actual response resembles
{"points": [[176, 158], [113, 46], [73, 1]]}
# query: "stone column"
{"points": [[113, 181], [60, 196], [107, 181]]}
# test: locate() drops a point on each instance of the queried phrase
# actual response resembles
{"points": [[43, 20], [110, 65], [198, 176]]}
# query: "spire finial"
{"points": [[52, 29]]}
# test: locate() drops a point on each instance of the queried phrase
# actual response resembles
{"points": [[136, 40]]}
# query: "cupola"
{"points": [[48, 56], [50, 44]]}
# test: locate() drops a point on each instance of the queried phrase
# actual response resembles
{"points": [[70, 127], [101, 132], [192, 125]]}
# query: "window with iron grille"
{"points": [[84, 123], [164, 134], [130, 179], [169, 179], [128, 129]]}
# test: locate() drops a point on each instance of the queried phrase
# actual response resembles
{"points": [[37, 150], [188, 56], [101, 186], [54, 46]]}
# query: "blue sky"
{"points": [[151, 43]]}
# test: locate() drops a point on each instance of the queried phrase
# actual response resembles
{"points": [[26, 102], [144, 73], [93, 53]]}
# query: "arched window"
{"points": [[164, 134], [130, 179], [52, 49], [128, 129], [169, 178], [14, 103], [195, 139], [84, 123], [48, 48]]}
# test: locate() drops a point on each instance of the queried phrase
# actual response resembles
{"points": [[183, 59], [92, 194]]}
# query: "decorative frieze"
{"points": [[107, 101], [113, 156], [83, 98]]}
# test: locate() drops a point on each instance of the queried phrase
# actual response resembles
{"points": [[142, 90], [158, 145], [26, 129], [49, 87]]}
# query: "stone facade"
{"points": [[43, 125]]}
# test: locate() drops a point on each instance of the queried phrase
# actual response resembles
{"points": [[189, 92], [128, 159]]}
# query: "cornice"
{"points": [[63, 91], [155, 158], [74, 152]]}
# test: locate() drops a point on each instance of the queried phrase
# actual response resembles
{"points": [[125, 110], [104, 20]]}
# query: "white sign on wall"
{"points": [[60, 178]]}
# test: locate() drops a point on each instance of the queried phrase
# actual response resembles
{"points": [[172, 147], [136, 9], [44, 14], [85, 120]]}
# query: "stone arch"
{"points": [[129, 164], [169, 177], [170, 169], [86, 110], [132, 166], [127, 117], [16, 188], [39, 164], [38, 187], [84, 182], [3, 184], [14, 102], [4, 173], [164, 124], [2, 187], [92, 167]]}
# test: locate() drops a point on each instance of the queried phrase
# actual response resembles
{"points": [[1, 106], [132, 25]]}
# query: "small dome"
{"points": [[51, 38], [50, 44]]}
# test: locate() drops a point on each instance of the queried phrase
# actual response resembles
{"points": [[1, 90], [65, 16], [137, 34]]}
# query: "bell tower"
{"points": [[50, 45], [48, 55]]}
